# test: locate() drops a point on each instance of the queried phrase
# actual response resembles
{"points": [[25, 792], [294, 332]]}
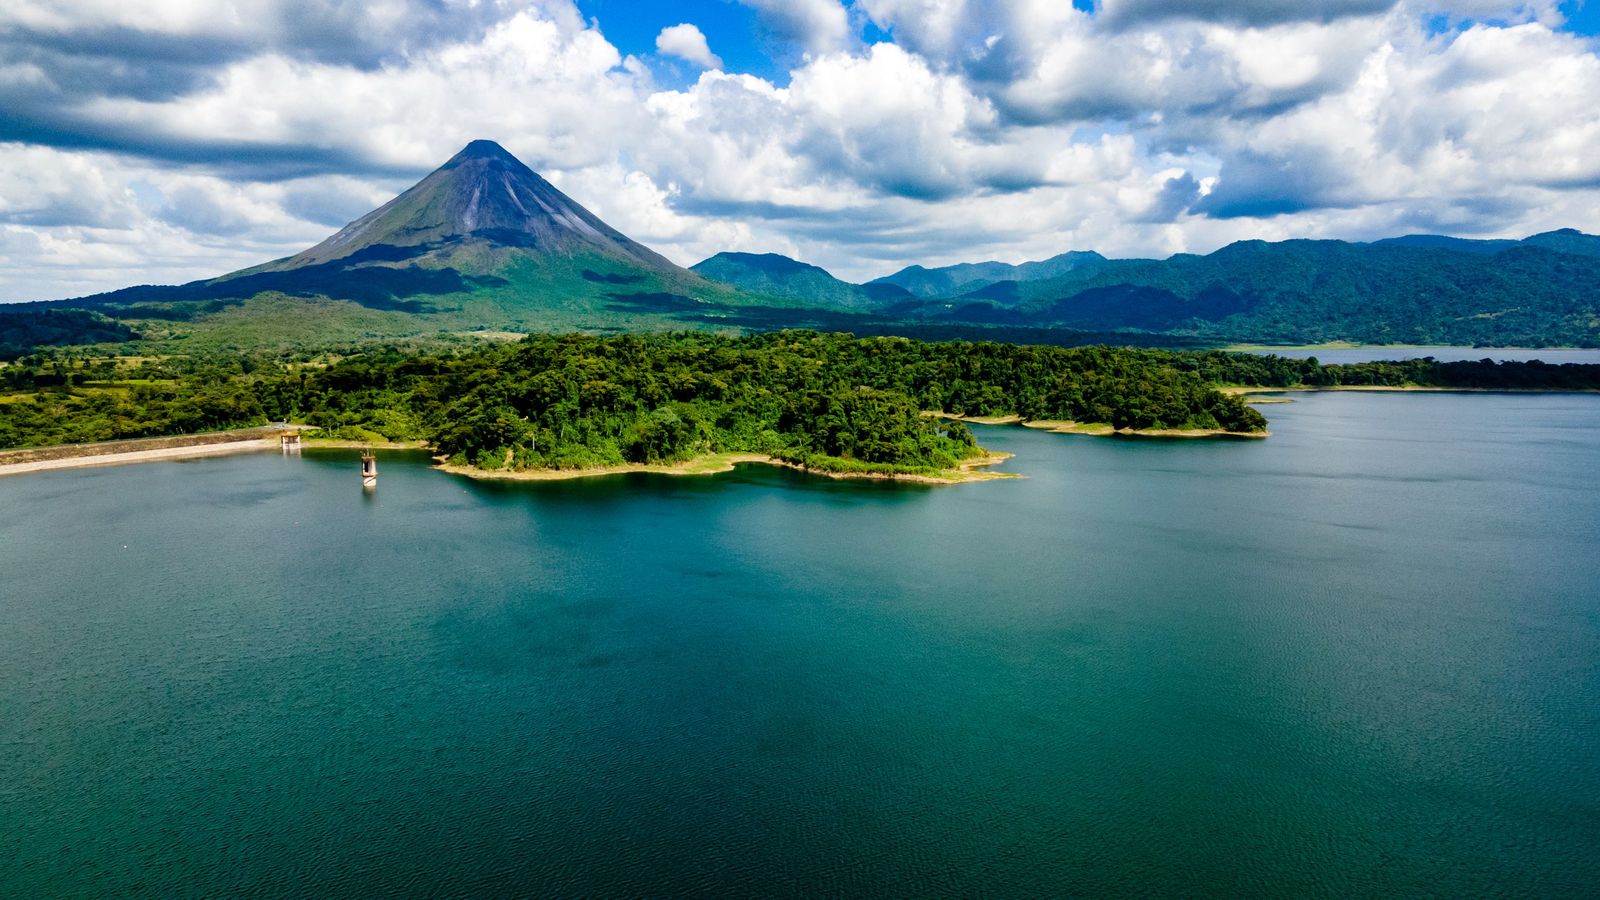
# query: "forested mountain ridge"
{"points": [[1542, 291], [774, 275], [963, 278], [1419, 289]]}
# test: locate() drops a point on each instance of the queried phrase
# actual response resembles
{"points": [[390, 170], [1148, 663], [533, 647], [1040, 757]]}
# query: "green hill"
{"points": [[774, 275], [1566, 240], [952, 281]]}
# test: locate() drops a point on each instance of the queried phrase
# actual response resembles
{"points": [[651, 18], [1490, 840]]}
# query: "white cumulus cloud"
{"points": [[817, 26], [686, 42], [1008, 129]]}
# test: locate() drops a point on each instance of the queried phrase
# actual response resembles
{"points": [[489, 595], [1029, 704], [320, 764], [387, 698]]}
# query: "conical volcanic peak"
{"points": [[480, 149], [482, 195]]}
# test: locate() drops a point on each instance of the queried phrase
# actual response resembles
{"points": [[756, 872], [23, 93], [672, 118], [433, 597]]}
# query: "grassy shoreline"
{"points": [[716, 463]]}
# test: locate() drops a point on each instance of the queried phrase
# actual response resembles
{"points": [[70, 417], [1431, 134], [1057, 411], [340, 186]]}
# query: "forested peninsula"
{"points": [[830, 403]]}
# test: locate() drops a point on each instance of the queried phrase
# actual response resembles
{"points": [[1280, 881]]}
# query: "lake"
{"points": [[1443, 354], [1359, 658]]}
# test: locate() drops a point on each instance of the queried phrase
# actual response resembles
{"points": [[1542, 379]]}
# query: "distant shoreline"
{"points": [[1066, 426], [1240, 390], [1346, 345]]}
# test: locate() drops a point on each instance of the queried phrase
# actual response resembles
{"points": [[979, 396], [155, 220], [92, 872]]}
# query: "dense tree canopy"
{"points": [[824, 400], [23, 330], [819, 399], [793, 394]]}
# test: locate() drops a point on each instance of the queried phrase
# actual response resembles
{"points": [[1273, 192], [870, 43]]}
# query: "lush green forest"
{"points": [[24, 331], [771, 275], [826, 401]]}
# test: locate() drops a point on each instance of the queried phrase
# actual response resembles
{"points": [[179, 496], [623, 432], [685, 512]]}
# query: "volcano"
{"points": [[481, 242], [482, 198]]}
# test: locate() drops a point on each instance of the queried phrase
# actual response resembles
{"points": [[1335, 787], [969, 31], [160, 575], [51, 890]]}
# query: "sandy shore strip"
{"points": [[967, 470], [139, 456]]}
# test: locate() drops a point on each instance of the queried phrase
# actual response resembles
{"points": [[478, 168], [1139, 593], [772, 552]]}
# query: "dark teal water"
{"points": [[1361, 658]]}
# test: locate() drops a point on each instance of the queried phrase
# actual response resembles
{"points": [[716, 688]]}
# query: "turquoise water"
{"points": [[1360, 658]]}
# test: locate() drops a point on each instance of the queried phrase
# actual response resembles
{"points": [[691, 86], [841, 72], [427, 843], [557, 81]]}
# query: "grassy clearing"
{"points": [[710, 464], [1069, 427]]}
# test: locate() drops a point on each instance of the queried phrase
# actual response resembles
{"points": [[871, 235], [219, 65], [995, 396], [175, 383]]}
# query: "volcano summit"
{"points": [[481, 200]]}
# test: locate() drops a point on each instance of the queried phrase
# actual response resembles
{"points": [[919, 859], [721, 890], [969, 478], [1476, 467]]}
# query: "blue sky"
{"points": [[1583, 16], [152, 141], [734, 31], [731, 29]]}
